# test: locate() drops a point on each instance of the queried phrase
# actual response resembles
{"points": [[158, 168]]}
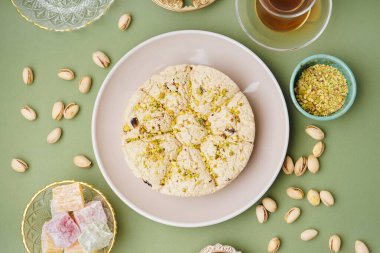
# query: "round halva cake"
{"points": [[188, 131]]}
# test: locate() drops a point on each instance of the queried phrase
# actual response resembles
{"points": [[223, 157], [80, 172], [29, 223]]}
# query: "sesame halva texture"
{"points": [[188, 131]]}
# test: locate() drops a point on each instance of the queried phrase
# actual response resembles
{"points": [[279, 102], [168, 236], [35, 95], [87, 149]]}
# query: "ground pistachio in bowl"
{"points": [[322, 87]]}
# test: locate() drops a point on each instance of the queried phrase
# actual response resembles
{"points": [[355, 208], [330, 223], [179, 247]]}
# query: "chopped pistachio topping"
{"points": [[321, 90]]}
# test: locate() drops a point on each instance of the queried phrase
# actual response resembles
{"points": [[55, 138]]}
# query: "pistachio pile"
{"points": [[59, 110], [314, 197]]}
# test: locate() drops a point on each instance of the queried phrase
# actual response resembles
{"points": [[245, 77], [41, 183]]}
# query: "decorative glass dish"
{"points": [[316, 23], [37, 212], [62, 15]]}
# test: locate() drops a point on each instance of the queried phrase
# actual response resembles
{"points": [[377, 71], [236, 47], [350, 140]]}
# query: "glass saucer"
{"points": [[283, 41], [61, 15]]}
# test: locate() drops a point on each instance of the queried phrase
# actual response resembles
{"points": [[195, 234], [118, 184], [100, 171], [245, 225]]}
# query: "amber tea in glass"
{"points": [[284, 15]]}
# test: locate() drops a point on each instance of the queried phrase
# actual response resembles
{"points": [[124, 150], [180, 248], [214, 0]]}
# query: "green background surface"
{"points": [[349, 168]]}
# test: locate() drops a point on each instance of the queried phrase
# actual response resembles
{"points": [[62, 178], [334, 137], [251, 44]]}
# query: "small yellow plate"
{"points": [[37, 212]]}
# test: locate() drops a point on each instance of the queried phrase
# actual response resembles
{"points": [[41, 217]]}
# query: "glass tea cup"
{"points": [[284, 15]]}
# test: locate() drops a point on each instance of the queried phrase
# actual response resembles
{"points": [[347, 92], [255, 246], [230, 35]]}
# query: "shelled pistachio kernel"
{"points": [[327, 198], [66, 74], [295, 193], [27, 75], [273, 245], [28, 113], [334, 243], [57, 111], [315, 132], [261, 214], [85, 84], [54, 135], [101, 59], [124, 21], [301, 166], [361, 247], [82, 161], [19, 165], [309, 234], [313, 197], [312, 164], [70, 110], [269, 204], [292, 215], [318, 149], [288, 165]]}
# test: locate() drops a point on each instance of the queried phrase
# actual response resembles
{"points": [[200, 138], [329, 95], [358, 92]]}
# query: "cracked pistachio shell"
{"points": [[334, 243], [288, 165], [19, 165], [269, 204], [292, 215], [309, 234], [312, 164], [66, 74], [295, 193], [27, 75], [315, 132], [261, 214], [28, 113], [57, 111], [313, 197], [360, 247], [301, 166], [124, 22], [327, 198], [71, 111], [82, 161], [54, 135], [274, 245], [318, 149], [101, 59], [85, 84]]}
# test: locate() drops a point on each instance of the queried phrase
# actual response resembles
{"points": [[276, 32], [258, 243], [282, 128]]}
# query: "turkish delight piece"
{"points": [[67, 198], [95, 236], [47, 243], [76, 248], [93, 212], [63, 230]]}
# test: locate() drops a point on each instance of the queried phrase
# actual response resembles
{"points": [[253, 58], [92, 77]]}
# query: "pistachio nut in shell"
{"points": [[28, 112], [361, 247], [71, 110], [269, 204], [312, 164], [101, 59], [261, 214], [295, 192], [313, 197], [318, 149], [54, 135], [315, 132], [274, 245], [57, 111], [309, 234], [292, 215], [27, 75], [124, 21], [288, 165], [82, 161], [85, 84], [66, 74], [301, 166], [19, 165], [327, 198], [335, 243]]}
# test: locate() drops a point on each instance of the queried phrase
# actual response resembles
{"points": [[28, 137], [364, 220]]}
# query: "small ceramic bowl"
{"points": [[331, 61]]}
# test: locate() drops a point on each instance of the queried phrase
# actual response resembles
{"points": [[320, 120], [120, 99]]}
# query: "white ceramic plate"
{"points": [[253, 77]]}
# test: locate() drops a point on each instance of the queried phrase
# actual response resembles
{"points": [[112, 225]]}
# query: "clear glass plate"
{"points": [[62, 15], [283, 41], [37, 212]]}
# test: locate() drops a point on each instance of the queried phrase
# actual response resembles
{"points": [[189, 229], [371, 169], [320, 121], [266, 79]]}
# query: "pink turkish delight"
{"points": [[93, 212], [63, 230], [47, 243]]}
